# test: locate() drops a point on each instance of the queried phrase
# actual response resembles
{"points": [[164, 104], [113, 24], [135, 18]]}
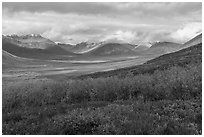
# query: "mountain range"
{"points": [[32, 41], [186, 57], [32, 47], [37, 47]]}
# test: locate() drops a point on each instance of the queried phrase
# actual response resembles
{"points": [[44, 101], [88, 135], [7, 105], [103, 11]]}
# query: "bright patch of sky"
{"points": [[95, 22]]}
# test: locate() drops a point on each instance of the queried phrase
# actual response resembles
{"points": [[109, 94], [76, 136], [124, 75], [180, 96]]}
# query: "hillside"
{"points": [[48, 53], [113, 49], [194, 41], [161, 48], [67, 47], [13, 62], [32, 41], [167, 45], [80, 48], [140, 48], [165, 102], [184, 57], [9, 60]]}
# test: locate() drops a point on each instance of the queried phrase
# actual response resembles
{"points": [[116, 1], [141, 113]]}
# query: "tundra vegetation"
{"points": [[152, 101]]}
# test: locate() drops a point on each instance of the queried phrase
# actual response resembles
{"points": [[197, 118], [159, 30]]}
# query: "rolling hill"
{"points": [[67, 47], [194, 41], [50, 52], [188, 56], [140, 48], [160, 48], [12, 61], [80, 48], [113, 49], [9, 60], [38, 47], [32, 41]]}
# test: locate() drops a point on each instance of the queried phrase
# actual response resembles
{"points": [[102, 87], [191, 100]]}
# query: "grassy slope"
{"points": [[160, 99], [180, 58], [165, 102], [161, 48], [112, 49], [48, 53], [196, 40]]}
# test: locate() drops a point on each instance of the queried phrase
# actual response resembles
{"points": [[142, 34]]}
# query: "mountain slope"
{"points": [[113, 49], [184, 57], [8, 60], [12, 61], [48, 53], [67, 47], [194, 41], [140, 48], [166, 45], [32, 41], [161, 48], [80, 48]]}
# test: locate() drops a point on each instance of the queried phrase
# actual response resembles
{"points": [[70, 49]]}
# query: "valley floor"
{"points": [[59, 68]]}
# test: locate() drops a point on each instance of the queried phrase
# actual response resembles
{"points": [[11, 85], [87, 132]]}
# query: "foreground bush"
{"points": [[162, 117], [175, 83], [29, 108]]}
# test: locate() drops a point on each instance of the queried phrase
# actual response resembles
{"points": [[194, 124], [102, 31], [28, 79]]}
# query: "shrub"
{"points": [[141, 104]]}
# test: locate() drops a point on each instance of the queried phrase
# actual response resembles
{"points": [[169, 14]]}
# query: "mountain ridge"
{"points": [[35, 41], [13, 48], [36, 44], [196, 40]]}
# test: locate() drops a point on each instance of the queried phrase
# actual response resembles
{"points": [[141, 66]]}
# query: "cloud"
{"points": [[77, 22], [159, 8], [119, 35], [187, 32], [59, 7]]}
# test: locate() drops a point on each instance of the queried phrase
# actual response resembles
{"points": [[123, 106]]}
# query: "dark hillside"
{"points": [[113, 49], [47, 53], [188, 56], [196, 40]]}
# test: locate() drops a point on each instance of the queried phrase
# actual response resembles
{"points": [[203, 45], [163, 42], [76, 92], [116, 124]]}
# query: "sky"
{"points": [[133, 22]]}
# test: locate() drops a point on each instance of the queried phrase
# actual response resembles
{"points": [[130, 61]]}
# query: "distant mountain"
{"points": [[112, 49], [165, 45], [145, 44], [83, 46], [86, 47], [14, 47], [67, 47], [32, 41], [36, 46], [140, 48], [80, 48], [196, 40], [188, 56], [160, 48]]}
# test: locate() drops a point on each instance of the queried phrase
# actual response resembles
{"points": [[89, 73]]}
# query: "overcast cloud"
{"points": [[130, 22]]}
